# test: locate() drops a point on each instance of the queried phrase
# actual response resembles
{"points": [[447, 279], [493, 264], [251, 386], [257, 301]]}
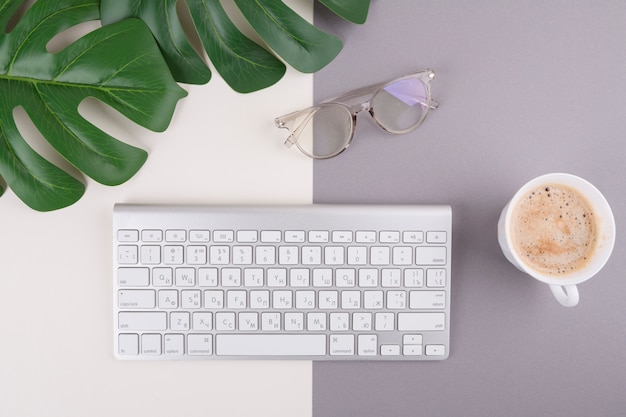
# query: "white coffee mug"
{"points": [[563, 286]]}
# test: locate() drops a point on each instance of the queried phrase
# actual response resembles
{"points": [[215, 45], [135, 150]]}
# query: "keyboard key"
{"points": [[128, 344], [270, 345], [402, 255], [311, 255], [362, 322], [357, 255], [136, 299], [342, 236], [202, 321], [389, 236], [435, 350], [427, 299], [385, 322], [175, 235], [196, 255], [363, 236], [334, 255], [219, 255], [127, 254], [430, 255], [367, 345], [200, 344], [168, 299], [412, 350], [342, 344], [436, 237], [125, 235], [162, 277], [380, 255], [133, 277], [151, 235], [199, 236], [150, 255], [436, 277], [151, 344], [421, 321], [247, 236], [270, 236], [173, 255], [318, 236], [288, 255], [174, 344], [413, 236], [413, 278], [141, 320], [223, 236], [294, 236], [389, 350]]}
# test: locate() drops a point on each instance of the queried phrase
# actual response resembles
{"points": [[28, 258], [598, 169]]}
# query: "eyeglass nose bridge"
{"points": [[355, 109]]}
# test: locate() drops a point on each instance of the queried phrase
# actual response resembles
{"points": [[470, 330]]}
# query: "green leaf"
{"points": [[119, 65], [354, 11], [302, 45], [244, 64], [162, 19]]}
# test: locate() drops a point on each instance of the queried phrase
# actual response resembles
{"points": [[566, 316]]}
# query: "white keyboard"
{"points": [[320, 282]]}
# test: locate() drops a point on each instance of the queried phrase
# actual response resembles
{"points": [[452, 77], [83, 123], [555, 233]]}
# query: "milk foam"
{"points": [[553, 229]]}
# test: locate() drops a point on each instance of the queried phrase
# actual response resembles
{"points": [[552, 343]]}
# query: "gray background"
{"points": [[526, 88]]}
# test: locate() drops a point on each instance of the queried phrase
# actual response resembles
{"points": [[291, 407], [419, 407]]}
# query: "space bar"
{"points": [[270, 344]]}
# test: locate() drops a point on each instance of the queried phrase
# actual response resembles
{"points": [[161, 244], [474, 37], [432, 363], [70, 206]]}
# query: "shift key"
{"points": [[142, 320], [421, 321]]}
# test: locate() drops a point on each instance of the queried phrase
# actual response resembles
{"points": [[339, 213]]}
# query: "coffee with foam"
{"points": [[553, 230]]}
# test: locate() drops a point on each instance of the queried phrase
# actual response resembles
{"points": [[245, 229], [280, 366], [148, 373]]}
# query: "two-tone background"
{"points": [[525, 89]]}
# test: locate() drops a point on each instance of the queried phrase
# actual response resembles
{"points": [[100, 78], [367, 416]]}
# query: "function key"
{"points": [[126, 235], [247, 236], [389, 236], [175, 235], [223, 236], [294, 236], [150, 235], [436, 237], [413, 236], [365, 236], [270, 236], [342, 236], [318, 236], [199, 236]]}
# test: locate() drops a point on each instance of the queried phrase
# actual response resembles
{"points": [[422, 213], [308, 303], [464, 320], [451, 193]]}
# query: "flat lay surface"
{"points": [[523, 89]]}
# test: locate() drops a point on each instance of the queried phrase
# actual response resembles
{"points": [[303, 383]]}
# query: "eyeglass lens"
{"points": [[397, 108], [332, 129], [401, 105]]}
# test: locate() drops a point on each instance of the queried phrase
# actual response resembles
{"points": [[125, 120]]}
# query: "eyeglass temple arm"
{"points": [[287, 121]]}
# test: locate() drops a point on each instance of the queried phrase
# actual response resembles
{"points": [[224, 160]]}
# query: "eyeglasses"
{"points": [[398, 106]]}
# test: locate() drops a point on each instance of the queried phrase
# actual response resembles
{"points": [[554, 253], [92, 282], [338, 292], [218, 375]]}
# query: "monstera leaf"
{"points": [[119, 65], [245, 65]]}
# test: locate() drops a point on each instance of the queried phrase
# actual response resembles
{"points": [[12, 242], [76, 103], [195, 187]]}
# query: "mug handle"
{"points": [[567, 295]]}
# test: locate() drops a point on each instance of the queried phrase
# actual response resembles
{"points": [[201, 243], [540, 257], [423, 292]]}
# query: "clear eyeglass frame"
{"points": [[352, 103]]}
